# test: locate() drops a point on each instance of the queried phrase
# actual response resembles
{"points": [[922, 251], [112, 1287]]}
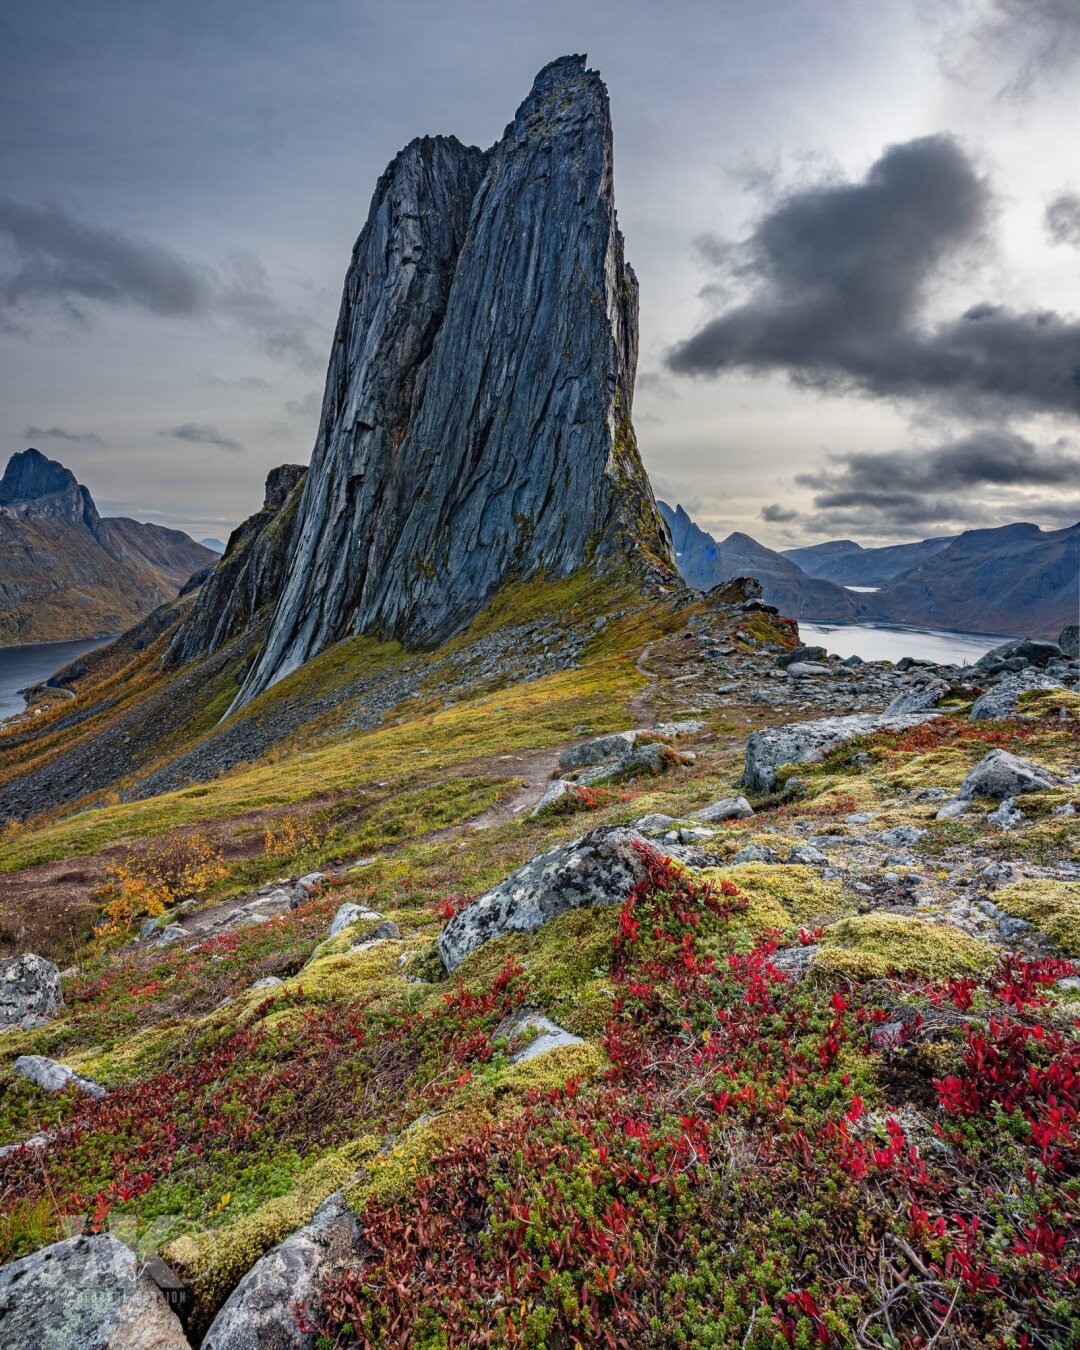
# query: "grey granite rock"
{"points": [[260, 1313], [88, 1293], [346, 916], [476, 419], [755, 853], [1001, 774], [1069, 641], [801, 742], [52, 1076], [1001, 700], [600, 868], [598, 750], [727, 808], [30, 990], [546, 1035], [919, 698], [903, 836], [1006, 816], [1034, 651]]}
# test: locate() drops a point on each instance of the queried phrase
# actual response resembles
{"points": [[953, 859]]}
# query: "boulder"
{"points": [[546, 1035], [52, 1076], [799, 654], [755, 853], [1000, 774], [803, 742], [268, 982], [794, 962], [347, 915], [88, 1293], [1069, 641], [1000, 701], [903, 836], [305, 887], [920, 698], [1007, 816], [807, 668], [600, 868], [727, 808], [556, 792], [598, 750], [1033, 651], [260, 1313], [30, 991]]}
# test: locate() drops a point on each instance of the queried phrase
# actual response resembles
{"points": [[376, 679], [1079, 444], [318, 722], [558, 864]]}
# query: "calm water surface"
{"points": [[20, 666], [882, 642]]}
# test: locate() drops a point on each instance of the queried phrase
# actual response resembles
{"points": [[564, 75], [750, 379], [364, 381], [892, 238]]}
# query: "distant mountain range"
{"points": [[1014, 579], [67, 572]]}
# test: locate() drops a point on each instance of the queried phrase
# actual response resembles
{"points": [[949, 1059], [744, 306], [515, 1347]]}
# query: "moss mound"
{"points": [[781, 896], [935, 950], [1052, 906]]}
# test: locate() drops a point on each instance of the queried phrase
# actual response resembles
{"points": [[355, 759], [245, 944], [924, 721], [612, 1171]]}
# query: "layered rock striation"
{"points": [[476, 421]]}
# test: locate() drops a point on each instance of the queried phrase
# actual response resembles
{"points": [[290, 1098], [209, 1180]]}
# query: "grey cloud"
{"points": [[61, 434], [777, 514], [973, 479], [309, 406], [836, 277], [53, 257], [247, 382], [1022, 42], [49, 258], [201, 433], [1062, 219]]}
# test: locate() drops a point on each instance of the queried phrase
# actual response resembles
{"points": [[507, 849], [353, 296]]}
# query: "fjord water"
{"points": [[22, 666], [885, 642]]}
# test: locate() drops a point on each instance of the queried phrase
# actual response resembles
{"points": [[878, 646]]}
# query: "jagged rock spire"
{"points": [[476, 421]]}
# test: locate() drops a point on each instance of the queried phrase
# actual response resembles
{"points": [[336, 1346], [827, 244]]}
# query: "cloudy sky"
{"points": [[856, 226]]}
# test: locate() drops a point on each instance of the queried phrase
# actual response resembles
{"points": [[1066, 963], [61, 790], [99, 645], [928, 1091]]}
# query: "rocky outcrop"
{"points": [[600, 868], [234, 591], [30, 992], [88, 1293], [52, 1076], [273, 1307], [476, 420], [65, 571], [800, 742]]}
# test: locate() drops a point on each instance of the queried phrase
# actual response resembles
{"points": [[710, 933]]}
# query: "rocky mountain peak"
{"points": [[476, 425], [30, 475]]}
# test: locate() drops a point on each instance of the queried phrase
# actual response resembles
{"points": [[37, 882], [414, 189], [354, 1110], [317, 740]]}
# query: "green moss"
{"points": [[780, 896], [936, 950], [567, 963], [842, 963], [1052, 906], [1040, 702], [215, 1261]]}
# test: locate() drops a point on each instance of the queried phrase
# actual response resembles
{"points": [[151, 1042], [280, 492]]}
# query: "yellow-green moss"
{"points": [[781, 896], [215, 1261], [128, 1059], [566, 961], [496, 1098], [842, 963], [1039, 702], [1052, 906], [936, 950]]}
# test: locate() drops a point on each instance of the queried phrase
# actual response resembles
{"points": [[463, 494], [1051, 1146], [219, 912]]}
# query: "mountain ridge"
{"points": [[68, 572]]}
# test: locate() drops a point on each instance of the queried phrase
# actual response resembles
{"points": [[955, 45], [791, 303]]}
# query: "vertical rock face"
{"points": [[476, 421]]}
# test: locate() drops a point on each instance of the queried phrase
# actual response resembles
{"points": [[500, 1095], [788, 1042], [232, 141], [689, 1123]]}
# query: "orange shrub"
{"points": [[291, 836], [154, 877]]}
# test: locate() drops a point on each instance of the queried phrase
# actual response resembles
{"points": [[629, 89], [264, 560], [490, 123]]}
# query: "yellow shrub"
{"points": [[154, 877], [291, 836]]}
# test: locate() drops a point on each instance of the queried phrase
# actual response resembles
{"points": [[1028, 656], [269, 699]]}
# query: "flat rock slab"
{"points": [[803, 742], [600, 868], [546, 1034], [88, 1293], [728, 808], [52, 1076], [258, 1314]]}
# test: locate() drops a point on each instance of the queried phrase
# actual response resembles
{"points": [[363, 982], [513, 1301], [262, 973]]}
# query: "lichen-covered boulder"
{"points": [[561, 795], [30, 991], [88, 1293], [1000, 774], [1035, 651], [919, 698], [598, 750], [1001, 700], [274, 1307], [728, 808], [600, 868], [803, 742], [52, 1076]]}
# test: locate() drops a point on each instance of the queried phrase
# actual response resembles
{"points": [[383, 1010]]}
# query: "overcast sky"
{"points": [[856, 227]]}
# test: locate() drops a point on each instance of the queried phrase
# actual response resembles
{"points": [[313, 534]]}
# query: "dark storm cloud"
{"points": [[837, 277], [955, 481], [201, 433], [61, 434], [1062, 219], [53, 257], [49, 258], [777, 514]]}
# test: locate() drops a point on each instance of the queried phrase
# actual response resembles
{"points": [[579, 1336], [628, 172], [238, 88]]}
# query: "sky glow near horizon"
{"points": [[856, 228]]}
